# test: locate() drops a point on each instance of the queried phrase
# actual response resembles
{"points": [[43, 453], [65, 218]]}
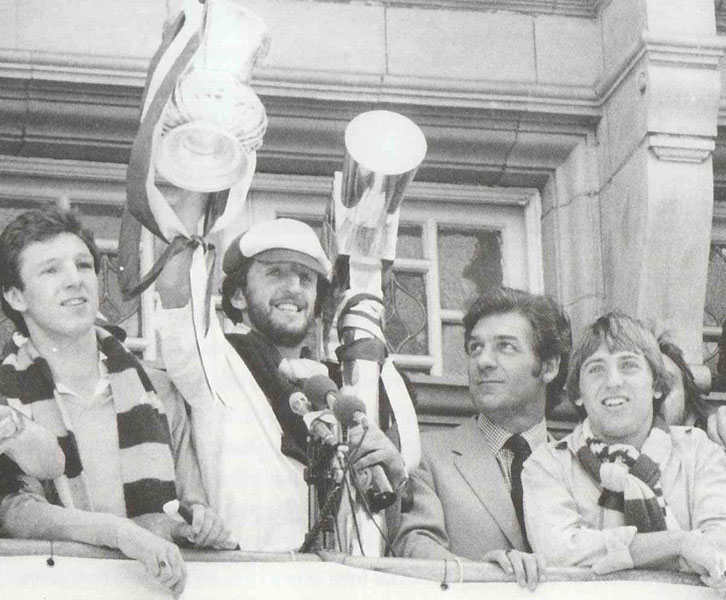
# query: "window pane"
{"points": [[453, 350], [405, 318], [410, 244], [470, 264], [715, 308], [315, 222], [104, 220]]}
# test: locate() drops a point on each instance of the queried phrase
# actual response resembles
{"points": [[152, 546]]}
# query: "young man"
{"points": [[624, 490], [467, 492], [79, 382], [251, 445]]}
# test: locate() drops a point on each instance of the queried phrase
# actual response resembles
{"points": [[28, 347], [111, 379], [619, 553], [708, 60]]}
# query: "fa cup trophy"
{"points": [[214, 120], [201, 126]]}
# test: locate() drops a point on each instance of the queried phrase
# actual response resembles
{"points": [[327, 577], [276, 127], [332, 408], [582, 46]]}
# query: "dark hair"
{"points": [[35, 225], [230, 283], [619, 332], [238, 279], [696, 406], [550, 326]]}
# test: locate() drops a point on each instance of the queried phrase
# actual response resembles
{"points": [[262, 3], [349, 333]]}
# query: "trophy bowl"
{"points": [[213, 119]]}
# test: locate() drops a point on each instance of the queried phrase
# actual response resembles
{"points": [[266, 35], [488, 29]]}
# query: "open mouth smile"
{"points": [[288, 307], [74, 302], [614, 402]]}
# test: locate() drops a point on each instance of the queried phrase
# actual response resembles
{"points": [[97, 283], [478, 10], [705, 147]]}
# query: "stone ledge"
{"points": [[681, 148], [569, 8], [91, 70], [679, 51]]}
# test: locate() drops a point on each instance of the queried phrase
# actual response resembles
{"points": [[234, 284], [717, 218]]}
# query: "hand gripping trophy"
{"points": [[201, 125]]}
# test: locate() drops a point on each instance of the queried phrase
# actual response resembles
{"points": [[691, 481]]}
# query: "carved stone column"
{"points": [[660, 108]]}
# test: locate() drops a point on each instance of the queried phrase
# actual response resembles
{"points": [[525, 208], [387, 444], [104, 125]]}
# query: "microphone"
{"points": [[314, 420], [322, 391], [351, 411]]}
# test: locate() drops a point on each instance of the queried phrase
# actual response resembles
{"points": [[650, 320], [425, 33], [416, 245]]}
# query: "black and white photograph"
{"points": [[362, 299]]}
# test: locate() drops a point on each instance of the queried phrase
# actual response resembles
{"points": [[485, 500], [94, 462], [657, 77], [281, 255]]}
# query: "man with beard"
{"points": [[251, 446]]}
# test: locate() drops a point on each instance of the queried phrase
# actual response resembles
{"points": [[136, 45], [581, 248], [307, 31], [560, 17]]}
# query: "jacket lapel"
{"points": [[479, 467]]}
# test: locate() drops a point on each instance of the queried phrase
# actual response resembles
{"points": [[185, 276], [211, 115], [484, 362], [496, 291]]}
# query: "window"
{"points": [[454, 242]]}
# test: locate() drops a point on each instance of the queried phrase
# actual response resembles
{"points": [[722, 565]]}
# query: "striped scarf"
{"points": [[147, 465], [630, 479]]}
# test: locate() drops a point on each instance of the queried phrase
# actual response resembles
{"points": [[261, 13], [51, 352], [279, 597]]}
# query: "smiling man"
{"points": [[467, 492], [624, 490], [251, 446]]}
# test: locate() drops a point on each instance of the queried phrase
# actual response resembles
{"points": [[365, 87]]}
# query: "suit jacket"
{"points": [[462, 505]]}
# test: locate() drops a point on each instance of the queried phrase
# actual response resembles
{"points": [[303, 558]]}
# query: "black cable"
{"points": [[352, 514], [362, 496], [333, 498], [364, 500]]}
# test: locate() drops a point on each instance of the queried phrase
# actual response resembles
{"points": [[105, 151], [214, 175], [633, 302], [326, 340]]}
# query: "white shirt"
{"points": [[259, 492]]}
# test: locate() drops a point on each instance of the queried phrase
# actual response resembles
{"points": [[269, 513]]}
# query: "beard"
{"points": [[280, 334]]}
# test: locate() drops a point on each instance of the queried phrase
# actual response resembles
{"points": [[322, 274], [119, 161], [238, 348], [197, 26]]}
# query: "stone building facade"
{"points": [[574, 148]]}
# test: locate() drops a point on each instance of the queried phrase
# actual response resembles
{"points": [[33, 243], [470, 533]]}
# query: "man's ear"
{"points": [[15, 298], [238, 299], [550, 368]]}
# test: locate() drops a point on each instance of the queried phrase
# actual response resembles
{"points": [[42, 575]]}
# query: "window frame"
{"points": [[515, 212]]}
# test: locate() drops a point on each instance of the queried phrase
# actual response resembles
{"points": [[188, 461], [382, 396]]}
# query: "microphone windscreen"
{"points": [[345, 409], [299, 404], [317, 387]]}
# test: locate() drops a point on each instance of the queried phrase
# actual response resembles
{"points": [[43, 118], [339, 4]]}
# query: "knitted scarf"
{"points": [[630, 479], [147, 465]]}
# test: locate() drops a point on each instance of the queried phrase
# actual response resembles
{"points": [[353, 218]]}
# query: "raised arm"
{"points": [[173, 282], [182, 348]]}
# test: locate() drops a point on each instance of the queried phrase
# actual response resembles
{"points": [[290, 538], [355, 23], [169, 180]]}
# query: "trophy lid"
{"points": [[385, 142]]}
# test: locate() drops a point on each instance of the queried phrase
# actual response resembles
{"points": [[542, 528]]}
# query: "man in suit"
{"points": [[467, 490]]}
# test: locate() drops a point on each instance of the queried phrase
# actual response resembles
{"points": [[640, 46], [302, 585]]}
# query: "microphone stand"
{"points": [[324, 494]]}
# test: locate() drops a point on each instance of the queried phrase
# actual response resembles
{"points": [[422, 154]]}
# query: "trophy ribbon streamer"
{"points": [[146, 205]]}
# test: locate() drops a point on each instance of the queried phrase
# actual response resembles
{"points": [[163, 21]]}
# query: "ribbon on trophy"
{"points": [[363, 313], [201, 125]]}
